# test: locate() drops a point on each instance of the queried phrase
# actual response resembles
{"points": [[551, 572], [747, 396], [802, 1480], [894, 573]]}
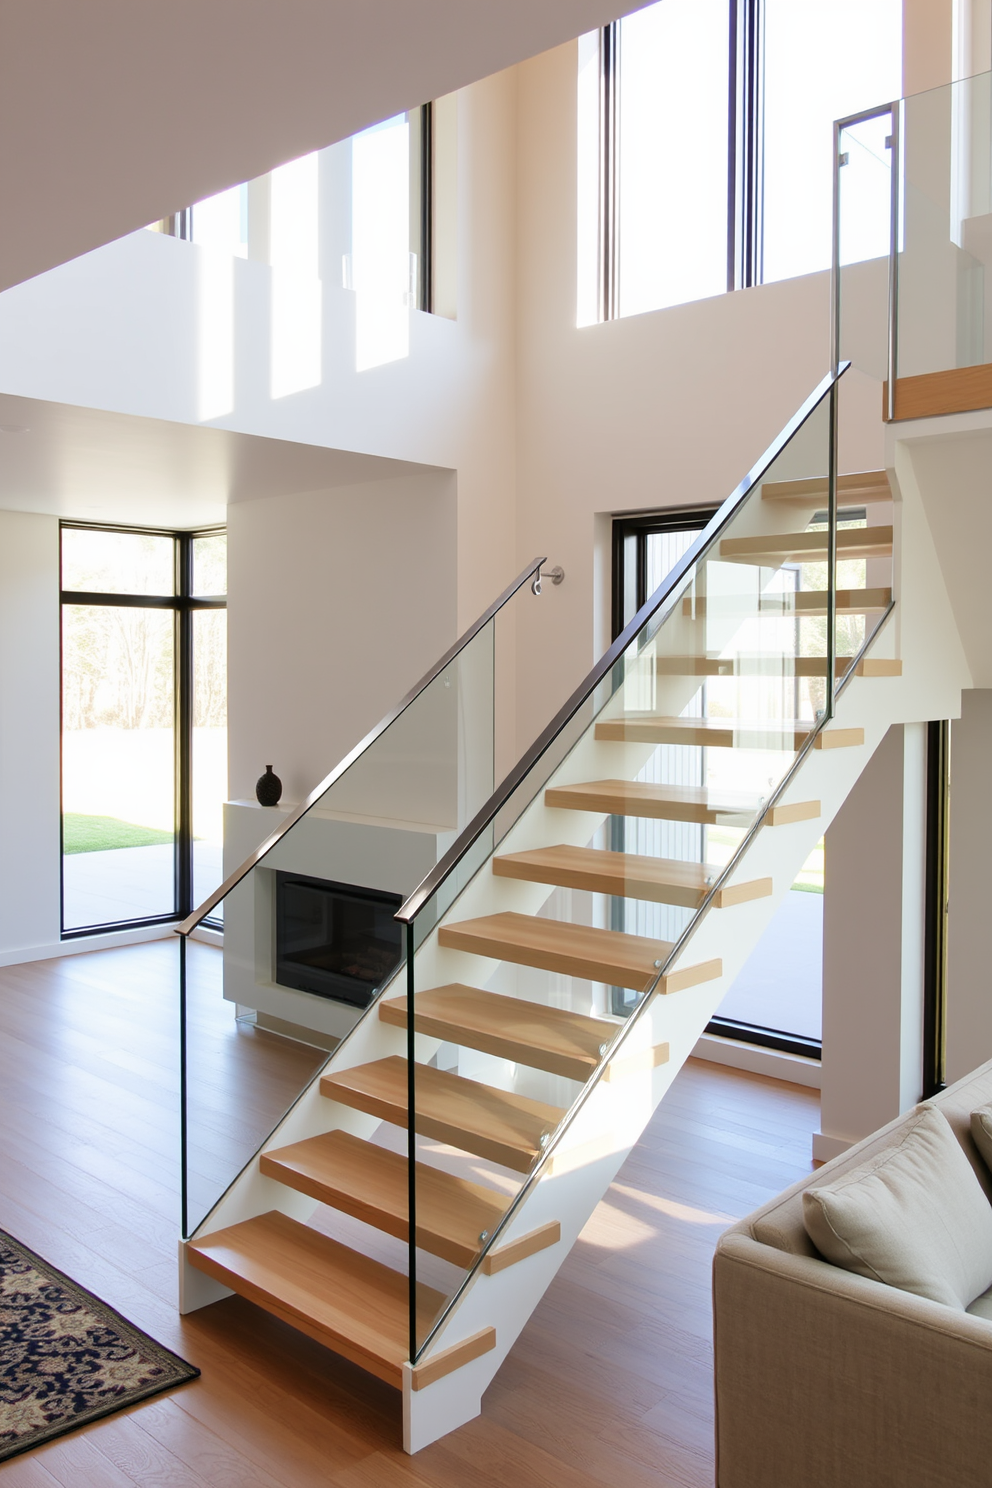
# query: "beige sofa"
{"points": [[825, 1379]]}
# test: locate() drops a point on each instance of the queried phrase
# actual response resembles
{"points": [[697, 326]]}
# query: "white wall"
{"points": [[338, 601], [29, 731], [969, 976], [873, 936]]}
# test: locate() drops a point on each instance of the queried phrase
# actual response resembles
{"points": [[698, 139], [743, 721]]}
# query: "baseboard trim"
{"points": [[826, 1147], [83, 943], [758, 1061]]}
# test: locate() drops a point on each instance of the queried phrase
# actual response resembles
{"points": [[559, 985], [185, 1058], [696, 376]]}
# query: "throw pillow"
{"points": [[913, 1216]]}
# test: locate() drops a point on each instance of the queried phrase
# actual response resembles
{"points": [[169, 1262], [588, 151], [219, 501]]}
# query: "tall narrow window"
{"points": [[857, 47], [208, 754], [390, 233], [672, 231], [141, 781]]}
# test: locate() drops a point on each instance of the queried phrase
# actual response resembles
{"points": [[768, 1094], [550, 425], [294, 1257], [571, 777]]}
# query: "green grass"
{"points": [[82, 834], [798, 888]]}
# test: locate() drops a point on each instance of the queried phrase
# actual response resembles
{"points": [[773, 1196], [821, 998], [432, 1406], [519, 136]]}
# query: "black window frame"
{"points": [[184, 604]]}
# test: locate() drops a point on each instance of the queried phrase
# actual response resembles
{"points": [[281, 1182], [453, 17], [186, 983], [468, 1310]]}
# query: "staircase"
{"points": [[575, 941]]}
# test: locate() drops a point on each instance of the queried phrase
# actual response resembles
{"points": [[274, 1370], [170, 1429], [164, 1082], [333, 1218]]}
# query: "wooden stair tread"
{"points": [[495, 1124], [866, 486], [371, 1184], [719, 733], [574, 950], [531, 1033], [808, 547], [687, 803], [794, 602], [629, 875], [356, 1306], [772, 666]]}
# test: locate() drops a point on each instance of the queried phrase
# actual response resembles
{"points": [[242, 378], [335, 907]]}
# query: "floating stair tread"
{"points": [[808, 547], [766, 666], [814, 601], [867, 486], [371, 1184], [628, 875], [794, 602], [555, 945], [532, 1033], [495, 1124], [352, 1304], [719, 733], [685, 803]]}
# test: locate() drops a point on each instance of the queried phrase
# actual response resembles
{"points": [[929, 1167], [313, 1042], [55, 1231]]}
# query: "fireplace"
{"points": [[334, 939]]}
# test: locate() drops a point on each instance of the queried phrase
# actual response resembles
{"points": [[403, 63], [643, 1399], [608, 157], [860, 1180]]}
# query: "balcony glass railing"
{"points": [[913, 190]]}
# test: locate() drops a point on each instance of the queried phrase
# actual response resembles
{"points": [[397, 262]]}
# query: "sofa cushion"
{"points": [[982, 1306], [981, 1130], [913, 1216]]}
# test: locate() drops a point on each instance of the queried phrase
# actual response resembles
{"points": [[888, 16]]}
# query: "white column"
{"points": [[873, 945]]}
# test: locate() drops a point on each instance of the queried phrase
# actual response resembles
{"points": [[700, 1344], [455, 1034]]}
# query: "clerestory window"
{"points": [[705, 143]]}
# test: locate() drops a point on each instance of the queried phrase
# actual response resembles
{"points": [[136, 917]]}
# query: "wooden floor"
{"points": [[610, 1382]]}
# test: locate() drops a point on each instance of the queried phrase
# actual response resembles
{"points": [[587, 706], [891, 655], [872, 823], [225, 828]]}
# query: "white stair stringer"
{"points": [[614, 1113]]}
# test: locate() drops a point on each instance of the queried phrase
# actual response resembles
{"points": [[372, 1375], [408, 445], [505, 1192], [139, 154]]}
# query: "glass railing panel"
{"points": [[864, 204], [947, 228], [927, 162], [309, 935], [544, 953]]}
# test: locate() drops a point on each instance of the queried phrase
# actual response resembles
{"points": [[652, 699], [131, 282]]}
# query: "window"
{"points": [[275, 218], [389, 267], [144, 726], [858, 49], [705, 142], [672, 154]]}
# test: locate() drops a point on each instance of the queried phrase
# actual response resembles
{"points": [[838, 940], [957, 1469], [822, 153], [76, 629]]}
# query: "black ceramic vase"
{"points": [[268, 788]]}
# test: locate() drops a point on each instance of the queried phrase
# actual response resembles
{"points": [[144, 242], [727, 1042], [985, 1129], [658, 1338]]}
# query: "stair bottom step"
{"points": [[356, 1306]]}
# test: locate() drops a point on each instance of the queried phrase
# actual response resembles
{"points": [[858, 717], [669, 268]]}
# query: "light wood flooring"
{"points": [[610, 1382]]}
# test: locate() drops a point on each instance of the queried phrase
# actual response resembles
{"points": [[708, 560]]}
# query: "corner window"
{"points": [[144, 724]]}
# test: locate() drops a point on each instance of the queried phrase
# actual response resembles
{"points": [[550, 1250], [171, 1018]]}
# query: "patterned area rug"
{"points": [[66, 1358]]}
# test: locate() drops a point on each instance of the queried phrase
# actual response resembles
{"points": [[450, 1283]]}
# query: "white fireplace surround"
{"points": [[368, 852]]}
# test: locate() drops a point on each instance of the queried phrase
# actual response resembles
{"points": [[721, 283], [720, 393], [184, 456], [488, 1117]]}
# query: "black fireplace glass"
{"points": [[335, 940]]}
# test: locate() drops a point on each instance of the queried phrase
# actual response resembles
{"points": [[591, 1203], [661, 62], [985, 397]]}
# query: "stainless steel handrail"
{"points": [[667, 593], [232, 881], [611, 1050]]}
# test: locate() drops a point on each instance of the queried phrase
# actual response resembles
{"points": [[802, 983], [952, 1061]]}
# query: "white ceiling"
{"points": [[115, 113], [110, 467]]}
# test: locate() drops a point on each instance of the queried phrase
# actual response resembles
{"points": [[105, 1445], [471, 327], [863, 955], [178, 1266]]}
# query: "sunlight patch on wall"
{"points": [[296, 289], [215, 331]]}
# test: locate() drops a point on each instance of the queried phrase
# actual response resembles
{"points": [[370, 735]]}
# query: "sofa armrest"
{"points": [[825, 1379]]}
